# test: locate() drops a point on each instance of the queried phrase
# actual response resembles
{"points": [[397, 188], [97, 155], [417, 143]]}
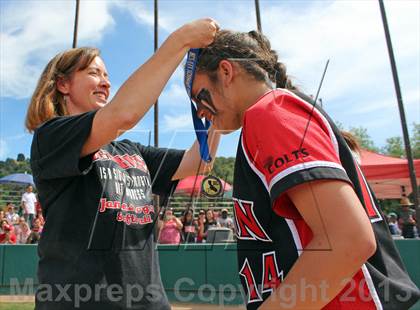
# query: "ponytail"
{"points": [[275, 69]]}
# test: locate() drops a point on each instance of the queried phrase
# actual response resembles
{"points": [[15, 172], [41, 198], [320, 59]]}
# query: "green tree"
{"points": [[394, 147], [20, 157], [223, 168], [363, 138], [13, 166]]}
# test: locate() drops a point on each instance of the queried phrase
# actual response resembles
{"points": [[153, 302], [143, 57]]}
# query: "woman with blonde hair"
{"points": [[96, 193]]}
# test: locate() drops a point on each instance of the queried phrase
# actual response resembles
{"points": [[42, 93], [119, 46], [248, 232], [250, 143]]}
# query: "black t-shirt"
{"points": [[98, 241]]}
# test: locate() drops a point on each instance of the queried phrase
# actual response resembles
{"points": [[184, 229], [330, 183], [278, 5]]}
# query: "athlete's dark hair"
{"points": [[251, 50]]}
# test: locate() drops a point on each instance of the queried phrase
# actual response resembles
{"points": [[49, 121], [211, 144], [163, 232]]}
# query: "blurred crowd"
{"points": [[216, 225], [23, 224], [403, 224]]}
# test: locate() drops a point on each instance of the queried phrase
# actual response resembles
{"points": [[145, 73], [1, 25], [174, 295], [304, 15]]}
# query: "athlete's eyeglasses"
{"points": [[203, 101]]}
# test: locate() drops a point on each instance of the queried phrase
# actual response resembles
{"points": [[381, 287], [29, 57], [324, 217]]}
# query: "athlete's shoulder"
{"points": [[267, 101], [279, 107], [280, 101]]}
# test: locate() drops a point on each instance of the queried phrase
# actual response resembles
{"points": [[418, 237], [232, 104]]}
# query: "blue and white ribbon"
{"points": [[201, 129]]}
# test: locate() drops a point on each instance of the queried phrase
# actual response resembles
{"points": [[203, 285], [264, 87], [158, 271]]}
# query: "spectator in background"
{"points": [[215, 212], [393, 224], [2, 222], [407, 218], [2, 215], [189, 229], [210, 222], [33, 238], [170, 229], [40, 218], [36, 232], [22, 231], [201, 221], [11, 216], [7, 234], [37, 226], [224, 220], [38, 208], [28, 205]]}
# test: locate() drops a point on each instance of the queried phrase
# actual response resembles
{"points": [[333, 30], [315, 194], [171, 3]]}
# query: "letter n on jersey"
{"points": [[247, 225]]}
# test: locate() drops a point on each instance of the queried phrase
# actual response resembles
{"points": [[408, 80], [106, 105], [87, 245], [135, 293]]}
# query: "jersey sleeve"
{"points": [[57, 144], [162, 164], [287, 143]]}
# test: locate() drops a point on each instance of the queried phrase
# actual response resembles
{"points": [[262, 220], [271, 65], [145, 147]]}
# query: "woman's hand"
{"points": [[411, 220], [198, 33], [178, 222]]}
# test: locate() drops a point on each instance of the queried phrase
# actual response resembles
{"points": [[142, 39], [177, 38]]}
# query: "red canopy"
{"points": [[388, 176], [187, 185]]}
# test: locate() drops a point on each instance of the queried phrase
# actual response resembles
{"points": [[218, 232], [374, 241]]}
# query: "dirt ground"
{"points": [[175, 306]]}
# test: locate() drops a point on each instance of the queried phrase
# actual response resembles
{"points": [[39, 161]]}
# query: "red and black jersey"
{"points": [[285, 141]]}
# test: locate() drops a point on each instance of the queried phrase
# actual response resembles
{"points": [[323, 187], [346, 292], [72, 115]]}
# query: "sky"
{"points": [[358, 89]]}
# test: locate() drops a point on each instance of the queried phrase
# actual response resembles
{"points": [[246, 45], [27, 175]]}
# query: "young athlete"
{"points": [[97, 249], [310, 233]]}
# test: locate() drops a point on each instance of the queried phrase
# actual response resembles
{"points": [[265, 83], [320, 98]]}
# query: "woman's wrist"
{"points": [[180, 39]]}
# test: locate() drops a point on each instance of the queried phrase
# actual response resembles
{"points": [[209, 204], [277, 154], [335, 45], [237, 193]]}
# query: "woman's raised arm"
{"points": [[143, 87]]}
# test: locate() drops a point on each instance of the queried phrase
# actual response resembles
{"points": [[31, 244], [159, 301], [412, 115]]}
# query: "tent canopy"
{"points": [[190, 184], [388, 176], [18, 178]]}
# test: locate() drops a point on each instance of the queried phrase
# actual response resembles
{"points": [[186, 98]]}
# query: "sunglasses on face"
{"points": [[203, 101]]}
